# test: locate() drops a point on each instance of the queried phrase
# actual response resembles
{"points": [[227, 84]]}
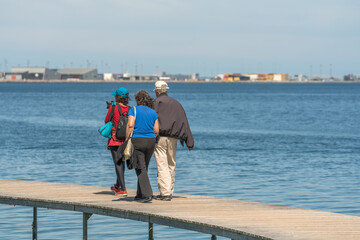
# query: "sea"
{"points": [[293, 144]]}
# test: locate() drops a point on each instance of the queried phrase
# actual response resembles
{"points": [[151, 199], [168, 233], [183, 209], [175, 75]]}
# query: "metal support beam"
{"points": [[210, 230], [34, 224], [213, 237], [86, 217], [151, 231]]}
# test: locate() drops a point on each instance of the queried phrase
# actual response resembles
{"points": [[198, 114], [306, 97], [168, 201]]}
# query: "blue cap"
{"points": [[121, 92]]}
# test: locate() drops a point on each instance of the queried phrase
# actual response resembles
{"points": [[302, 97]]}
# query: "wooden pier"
{"points": [[234, 219]]}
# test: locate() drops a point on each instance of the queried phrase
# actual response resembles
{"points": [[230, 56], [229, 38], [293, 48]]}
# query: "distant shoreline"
{"points": [[173, 81]]}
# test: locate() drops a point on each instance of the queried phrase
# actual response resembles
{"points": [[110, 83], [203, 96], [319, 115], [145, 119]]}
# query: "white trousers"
{"points": [[165, 156]]}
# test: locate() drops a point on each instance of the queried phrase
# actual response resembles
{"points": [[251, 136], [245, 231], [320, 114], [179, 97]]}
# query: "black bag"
{"points": [[121, 127], [120, 156], [130, 163]]}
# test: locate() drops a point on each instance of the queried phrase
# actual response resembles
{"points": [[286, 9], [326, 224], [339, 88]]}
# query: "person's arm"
{"points": [[156, 127], [130, 126], [108, 114], [156, 105]]}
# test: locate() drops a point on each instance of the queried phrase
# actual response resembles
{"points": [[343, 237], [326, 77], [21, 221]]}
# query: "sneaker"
{"points": [[145, 200], [115, 189], [164, 198], [122, 192]]}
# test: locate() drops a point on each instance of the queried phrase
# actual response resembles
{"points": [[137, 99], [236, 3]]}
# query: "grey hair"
{"points": [[163, 88]]}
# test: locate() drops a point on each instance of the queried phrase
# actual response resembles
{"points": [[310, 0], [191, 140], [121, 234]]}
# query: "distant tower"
{"points": [[331, 70], [5, 65], [127, 74]]}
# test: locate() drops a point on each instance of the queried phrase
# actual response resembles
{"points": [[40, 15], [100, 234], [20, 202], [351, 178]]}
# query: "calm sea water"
{"points": [[288, 144]]}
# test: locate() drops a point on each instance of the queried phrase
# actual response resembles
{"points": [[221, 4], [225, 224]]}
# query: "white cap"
{"points": [[161, 85]]}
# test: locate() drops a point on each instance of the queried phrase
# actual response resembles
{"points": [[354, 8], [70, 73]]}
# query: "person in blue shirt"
{"points": [[144, 126]]}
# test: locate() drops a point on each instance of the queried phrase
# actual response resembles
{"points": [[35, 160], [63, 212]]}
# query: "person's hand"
{"points": [[108, 104]]}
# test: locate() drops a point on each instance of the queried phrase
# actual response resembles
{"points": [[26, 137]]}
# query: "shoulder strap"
{"points": [[111, 116], [134, 122], [119, 108], [121, 112]]}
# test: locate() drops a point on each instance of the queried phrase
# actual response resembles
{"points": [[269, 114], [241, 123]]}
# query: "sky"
{"points": [[317, 37]]}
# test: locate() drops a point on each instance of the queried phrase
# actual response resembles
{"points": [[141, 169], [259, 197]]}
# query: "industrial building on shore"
{"points": [[41, 73], [78, 73], [91, 74], [271, 77], [34, 73]]}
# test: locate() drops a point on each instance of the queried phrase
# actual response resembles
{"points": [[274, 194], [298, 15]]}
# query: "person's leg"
{"points": [[120, 166], [144, 186], [138, 191], [150, 147], [171, 158], [163, 175], [118, 170]]}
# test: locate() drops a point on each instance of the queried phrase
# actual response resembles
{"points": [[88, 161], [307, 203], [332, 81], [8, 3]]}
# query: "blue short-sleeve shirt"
{"points": [[144, 121]]}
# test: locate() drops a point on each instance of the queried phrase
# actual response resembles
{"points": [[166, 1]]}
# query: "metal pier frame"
{"points": [[213, 231]]}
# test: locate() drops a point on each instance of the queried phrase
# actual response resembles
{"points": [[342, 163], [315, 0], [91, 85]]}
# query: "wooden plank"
{"points": [[231, 218]]}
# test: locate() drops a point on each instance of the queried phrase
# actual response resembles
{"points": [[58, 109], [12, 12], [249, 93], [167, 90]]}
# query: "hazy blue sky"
{"points": [[184, 36]]}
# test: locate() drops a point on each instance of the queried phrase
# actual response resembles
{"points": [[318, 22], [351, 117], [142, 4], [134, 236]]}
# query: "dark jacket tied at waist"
{"points": [[172, 120]]}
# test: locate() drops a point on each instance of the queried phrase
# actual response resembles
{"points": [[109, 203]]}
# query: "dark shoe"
{"points": [[164, 198], [137, 198], [145, 200]]}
